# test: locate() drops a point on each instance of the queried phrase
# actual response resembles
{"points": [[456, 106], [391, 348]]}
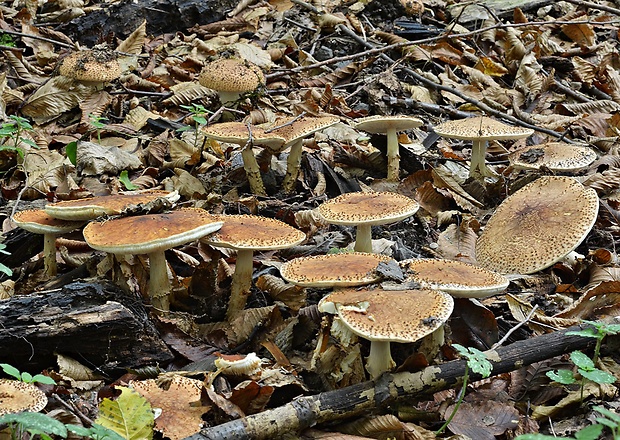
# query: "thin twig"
{"points": [[595, 6], [514, 329], [37, 37]]}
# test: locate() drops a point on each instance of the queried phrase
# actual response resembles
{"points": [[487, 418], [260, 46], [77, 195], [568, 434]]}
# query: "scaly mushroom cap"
{"points": [[144, 234], [481, 128], [39, 222], [373, 208], [537, 226], [90, 65], [345, 269], [459, 279], [238, 133], [253, 232], [17, 396], [556, 156], [386, 315], [380, 124], [91, 208], [300, 128], [231, 75]]}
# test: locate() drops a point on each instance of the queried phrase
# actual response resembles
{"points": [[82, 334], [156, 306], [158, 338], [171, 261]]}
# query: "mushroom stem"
{"points": [[228, 97], [49, 253], [292, 166], [363, 239], [380, 359], [478, 168], [159, 284], [253, 172], [393, 158], [241, 283]]}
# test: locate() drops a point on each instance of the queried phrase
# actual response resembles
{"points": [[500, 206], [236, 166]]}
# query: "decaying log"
{"points": [[354, 400], [94, 322]]}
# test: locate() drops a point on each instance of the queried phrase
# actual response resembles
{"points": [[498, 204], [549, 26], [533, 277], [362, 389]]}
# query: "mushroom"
{"points": [[555, 156], [457, 278], [231, 77], [480, 130], [246, 234], [390, 125], [345, 269], [383, 316], [537, 226], [39, 222], [92, 67], [152, 234], [365, 210], [17, 396]]}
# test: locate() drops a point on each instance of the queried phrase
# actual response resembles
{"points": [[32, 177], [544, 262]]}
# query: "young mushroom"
{"points": [[555, 156], [365, 210], [390, 125], [231, 77], [152, 234], [480, 130], [91, 67]]}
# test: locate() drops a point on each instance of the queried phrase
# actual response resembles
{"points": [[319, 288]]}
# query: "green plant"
{"points": [[6, 40], [478, 363], [97, 122], [124, 179], [3, 268], [197, 111], [26, 377], [13, 131], [598, 331]]}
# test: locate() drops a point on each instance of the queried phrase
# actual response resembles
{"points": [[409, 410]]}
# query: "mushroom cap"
{"points": [[381, 124], [299, 128], [231, 75], [373, 208], [91, 65], [39, 222], [537, 226], [390, 315], [481, 128], [238, 133], [459, 279], [346, 269], [143, 234], [17, 396], [253, 232], [556, 156], [93, 207]]}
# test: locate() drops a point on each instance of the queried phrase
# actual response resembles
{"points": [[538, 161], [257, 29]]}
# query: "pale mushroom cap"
{"points": [[90, 65], [17, 396], [537, 226], [381, 124], [299, 128], [459, 279], [143, 234], [253, 232], [481, 128], [231, 75], [374, 208], [385, 315], [39, 222], [346, 269], [93, 207], [238, 133], [556, 156]]}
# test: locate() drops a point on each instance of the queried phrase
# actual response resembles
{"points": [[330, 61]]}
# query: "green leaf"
{"points": [[597, 376], [591, 432], [124, 178], [5, 269], [96, 431], [29, 142], [130, 415], [200, 120], [42, 378], [71, 152], [535, 437], [476, 360], [26, 377], [581, 360], [586, 333], [11, 371], [33, 421], [609, 414], [565, 377]]}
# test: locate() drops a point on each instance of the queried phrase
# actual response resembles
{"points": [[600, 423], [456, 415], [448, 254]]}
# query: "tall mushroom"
{"points": [[480, 130], [152, 234], [231, 77]]}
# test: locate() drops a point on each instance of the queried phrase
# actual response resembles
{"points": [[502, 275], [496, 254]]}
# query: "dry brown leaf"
{"points": [[599, 302], [581, 33], [521, 309], [134, 42], [56, 96], [94, 105], [457, 243], [483, 420]]}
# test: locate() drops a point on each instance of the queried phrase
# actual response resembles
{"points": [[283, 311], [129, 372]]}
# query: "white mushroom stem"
{"points": [[363, 239], [478, 168], [253, 172], [228, 97], [241, 283], [49, 253], [380, 359], [292, 166], [393, 158], [159, 284]]}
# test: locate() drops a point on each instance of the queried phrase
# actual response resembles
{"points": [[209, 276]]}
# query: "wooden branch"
{"points": [[352, 401]]}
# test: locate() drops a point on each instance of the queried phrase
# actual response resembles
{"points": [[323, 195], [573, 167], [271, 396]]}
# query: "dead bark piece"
{"points": [[93, 322], [354, 400]]}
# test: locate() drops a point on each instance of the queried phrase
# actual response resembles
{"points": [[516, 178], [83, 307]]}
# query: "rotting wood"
{"points": [[354, 400]]}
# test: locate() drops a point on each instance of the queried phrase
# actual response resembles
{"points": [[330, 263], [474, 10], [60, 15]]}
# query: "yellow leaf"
{"points": [[130, 415], [490, 67]]}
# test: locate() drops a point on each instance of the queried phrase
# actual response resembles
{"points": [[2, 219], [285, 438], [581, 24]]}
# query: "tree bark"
{"points": [[352, 401]]}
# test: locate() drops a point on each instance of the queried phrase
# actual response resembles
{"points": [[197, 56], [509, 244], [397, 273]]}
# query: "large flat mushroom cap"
{"points": [[238, 133], [93, 207], [17, 396], [556, 156], [385, 315], [143, 234], [481, 128], [231, 75], [253, 232], [381, 124], [373, 208], [91, 65], [459, 279], [537, 226], [299, 128], [39, 222], [346, 269]]}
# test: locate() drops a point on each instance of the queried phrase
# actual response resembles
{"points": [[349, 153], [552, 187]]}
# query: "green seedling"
{"points": [[44, 427], [13, 131], [6, 40], [3, 268], [98, 123], [26, 377], [124, 179], [609, 419], [197, 111], [598, 331]]}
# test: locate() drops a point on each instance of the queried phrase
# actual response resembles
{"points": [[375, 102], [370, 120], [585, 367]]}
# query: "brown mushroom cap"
{"points": [[231, 75], [90, 65], [91, 208], [238, 133], [459, 279], [481, 128], [381, 124], [537, 226], [299, 128], [556, 156], [17, 396], [373, 208], [145, 234], [39, 222], [345, 269]]}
